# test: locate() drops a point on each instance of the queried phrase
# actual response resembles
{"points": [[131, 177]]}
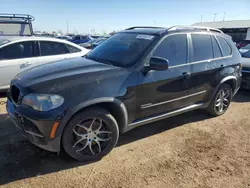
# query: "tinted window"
{"points": [[217, 52], [52, 48], [202, 47], [17, 50], [122, 49], [226, 49], [73, 49], [174, 49]]}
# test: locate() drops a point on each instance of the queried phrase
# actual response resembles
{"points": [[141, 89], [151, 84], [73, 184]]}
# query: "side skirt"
{"points": [[163, 116]]}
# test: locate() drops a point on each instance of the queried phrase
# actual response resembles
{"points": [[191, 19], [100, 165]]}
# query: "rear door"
{"points": [[164, 91], [205, 62], [15, 58], [52, 51]]}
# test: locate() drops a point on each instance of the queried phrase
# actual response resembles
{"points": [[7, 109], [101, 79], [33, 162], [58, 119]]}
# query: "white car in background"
{"points": [[20, 53]]}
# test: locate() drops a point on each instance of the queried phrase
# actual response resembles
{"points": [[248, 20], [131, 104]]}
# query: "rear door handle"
{"points": [[185, 74], [222, 65]]}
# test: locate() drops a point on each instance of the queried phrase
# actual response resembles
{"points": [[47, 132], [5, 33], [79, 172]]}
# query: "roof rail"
{"points": [[144, 27], [195, 28], [25, 17]]}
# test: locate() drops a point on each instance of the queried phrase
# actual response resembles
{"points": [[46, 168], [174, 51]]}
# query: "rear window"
{"points": [[202, 47], [226, 49], [52, 48], [15, 29], [73, 49]]}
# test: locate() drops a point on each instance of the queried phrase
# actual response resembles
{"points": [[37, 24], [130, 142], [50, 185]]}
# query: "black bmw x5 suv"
{"points": [[137, 76]]}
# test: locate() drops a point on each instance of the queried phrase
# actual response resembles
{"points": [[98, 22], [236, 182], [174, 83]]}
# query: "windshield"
{"points": [[122, 49]]}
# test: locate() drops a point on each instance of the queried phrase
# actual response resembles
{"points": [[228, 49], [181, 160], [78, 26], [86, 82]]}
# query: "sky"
{"points": [[106, 16]]}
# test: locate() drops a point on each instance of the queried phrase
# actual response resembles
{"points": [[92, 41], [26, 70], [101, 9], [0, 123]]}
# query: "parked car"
{"points": [[246, 70], [16, 25], [88, 44], [244, 49], [64, 37], [137, 76], [243, 43], [20, 53], [78, 39], [98, 42], [93, 43]]}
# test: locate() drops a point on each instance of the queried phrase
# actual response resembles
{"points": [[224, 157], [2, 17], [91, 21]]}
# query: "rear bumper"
{"points": [[36, 131]]}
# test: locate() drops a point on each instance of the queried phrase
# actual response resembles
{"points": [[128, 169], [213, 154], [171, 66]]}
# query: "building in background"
{"points": [[238, 29]]}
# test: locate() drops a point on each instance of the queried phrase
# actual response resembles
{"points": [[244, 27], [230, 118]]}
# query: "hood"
{"points": [[246, 62], [61, 69]]}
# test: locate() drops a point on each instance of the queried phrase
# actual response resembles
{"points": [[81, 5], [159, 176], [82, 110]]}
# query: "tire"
{"points": [[85, 130], [214, 109]]}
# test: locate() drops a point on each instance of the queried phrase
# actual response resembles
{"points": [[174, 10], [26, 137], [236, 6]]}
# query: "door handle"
{"points": [[222, 65], [185, 74], [25, 65]]}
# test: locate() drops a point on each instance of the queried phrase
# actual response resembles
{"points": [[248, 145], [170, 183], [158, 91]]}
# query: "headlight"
{"points": [[42, 102]]}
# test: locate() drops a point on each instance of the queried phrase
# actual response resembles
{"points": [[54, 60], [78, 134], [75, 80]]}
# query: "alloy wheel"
{"points": [[91, 136], [222, 101]]}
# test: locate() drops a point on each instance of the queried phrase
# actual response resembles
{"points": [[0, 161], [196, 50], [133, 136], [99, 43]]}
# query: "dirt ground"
{"points": [[190, 150]]}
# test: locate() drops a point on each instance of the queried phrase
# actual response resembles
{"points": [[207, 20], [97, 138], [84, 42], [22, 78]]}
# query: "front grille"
{"points": [[14, 93]]}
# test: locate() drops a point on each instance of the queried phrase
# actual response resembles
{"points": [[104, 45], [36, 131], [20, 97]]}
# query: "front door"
{"points": [[164, 91], [15, 58]]}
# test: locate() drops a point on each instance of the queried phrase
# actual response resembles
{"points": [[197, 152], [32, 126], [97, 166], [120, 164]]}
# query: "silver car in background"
{"points": [[20, 53]]}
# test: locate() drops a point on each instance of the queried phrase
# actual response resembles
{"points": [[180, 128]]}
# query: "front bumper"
{"points": [[35, 130]]}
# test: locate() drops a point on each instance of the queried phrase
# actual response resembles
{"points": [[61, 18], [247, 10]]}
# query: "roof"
{"points": [[32, 38], [225, 24], [15, 38]]}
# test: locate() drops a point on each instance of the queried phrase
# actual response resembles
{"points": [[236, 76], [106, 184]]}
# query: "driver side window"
{"points": [[174, 49]]}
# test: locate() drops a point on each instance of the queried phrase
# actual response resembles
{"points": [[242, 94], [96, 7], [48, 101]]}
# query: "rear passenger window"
{"points": [[52, 48], [217, 52], [202, 47], [73, 49], [226, 49], [174, 49]]}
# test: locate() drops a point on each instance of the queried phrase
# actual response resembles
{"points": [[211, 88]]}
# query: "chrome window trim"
{"points": [[149, 105]]}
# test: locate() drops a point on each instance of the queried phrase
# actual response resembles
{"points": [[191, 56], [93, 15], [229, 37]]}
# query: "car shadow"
{"points": [[242, 96], [19, 159]]}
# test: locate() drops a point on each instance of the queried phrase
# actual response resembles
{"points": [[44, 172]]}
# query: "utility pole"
{"points": [[215, 14], [201, 18], [224, 16], [154, 22], [67, 27]]}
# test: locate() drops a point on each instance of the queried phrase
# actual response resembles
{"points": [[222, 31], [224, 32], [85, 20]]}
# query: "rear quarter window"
{"points": [[226, 49]]}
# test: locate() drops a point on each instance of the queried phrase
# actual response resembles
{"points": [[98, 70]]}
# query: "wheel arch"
{"points": [[230, 80], [113, 105]]}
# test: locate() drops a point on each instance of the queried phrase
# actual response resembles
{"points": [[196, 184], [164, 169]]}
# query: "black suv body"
{"points": [[135, 77]]}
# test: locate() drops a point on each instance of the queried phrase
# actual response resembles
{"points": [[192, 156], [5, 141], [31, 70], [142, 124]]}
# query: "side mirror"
{"points": [[158, 63]]}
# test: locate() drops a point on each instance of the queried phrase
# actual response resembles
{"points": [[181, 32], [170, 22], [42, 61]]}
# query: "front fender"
{"points": [[118, 104]]}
